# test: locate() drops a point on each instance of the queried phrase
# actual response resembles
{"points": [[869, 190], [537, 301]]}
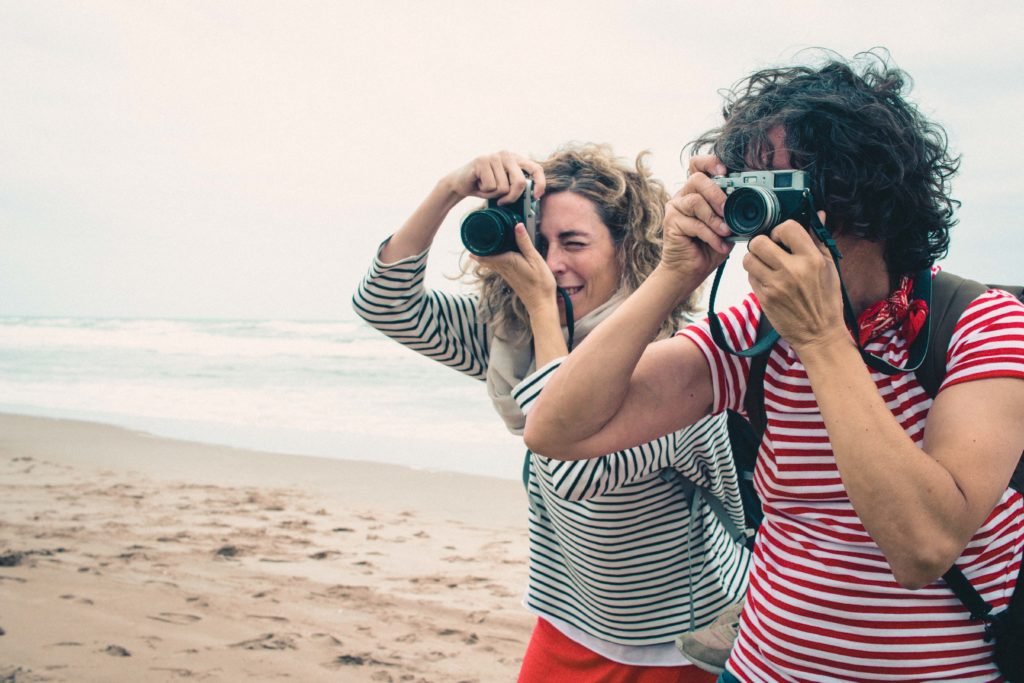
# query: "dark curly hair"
{"points": [[878, 168]]}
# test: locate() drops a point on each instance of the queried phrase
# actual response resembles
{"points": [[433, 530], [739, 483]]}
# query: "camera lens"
{"points": [[750, 211], [488, 231]]}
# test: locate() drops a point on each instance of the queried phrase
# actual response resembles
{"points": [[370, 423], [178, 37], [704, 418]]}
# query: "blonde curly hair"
{"points": [[630, 203]]}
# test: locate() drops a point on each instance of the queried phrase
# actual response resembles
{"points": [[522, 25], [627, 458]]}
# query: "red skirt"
{"points": [[551, 656]]}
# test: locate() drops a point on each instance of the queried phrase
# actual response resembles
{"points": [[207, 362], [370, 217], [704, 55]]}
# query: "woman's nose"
{"points": [[555, 259]]}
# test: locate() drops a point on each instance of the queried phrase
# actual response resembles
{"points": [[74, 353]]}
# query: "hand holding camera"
{"points": [[500, 176], [694, 232], [512, 186], [797, 284], [525, 271]]}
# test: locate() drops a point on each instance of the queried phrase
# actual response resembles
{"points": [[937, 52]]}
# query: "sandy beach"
{"points": [[128, 557]]}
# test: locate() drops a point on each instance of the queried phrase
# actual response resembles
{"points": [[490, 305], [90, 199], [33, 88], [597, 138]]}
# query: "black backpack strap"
{"points": [[951, 295], [967, 594], [753, 400]]}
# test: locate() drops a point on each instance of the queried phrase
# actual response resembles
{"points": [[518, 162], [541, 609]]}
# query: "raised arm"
{"points": [[493, 175], [444, 327], [921, 505], [617, 389]]}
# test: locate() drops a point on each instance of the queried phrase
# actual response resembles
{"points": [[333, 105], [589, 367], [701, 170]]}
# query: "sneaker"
{"points": [[709, 647]]}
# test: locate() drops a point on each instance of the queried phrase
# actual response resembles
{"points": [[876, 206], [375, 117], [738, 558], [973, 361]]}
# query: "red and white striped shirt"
{"points": [[823, 603]]}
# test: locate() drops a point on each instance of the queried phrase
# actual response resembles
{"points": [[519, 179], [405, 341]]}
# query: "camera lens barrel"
{"points": [[489, 231], [750, 211]]}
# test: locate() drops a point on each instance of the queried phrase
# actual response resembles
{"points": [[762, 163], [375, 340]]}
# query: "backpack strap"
{"points": [[967, 594], [951, 295], [753, 400], [693, 495]]}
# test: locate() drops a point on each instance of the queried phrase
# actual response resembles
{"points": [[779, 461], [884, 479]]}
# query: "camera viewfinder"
{"points": [[783, 180]]}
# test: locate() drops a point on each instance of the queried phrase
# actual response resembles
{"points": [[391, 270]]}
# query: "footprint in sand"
{"points": [[324, 554], [269, 617], [181, 673], [268, 641], [460, 558], [326, 638], [176, 618]]}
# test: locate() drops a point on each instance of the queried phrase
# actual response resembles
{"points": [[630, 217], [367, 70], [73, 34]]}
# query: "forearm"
{"points": [[595, 381], [908, 502], [548, 342], [417, 233], [442, 326]]}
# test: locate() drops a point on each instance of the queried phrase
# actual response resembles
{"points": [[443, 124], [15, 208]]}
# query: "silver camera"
{"points": [[759, 200]]}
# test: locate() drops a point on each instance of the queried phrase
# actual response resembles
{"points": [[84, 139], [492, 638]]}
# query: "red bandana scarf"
{"points": [[896, 310]]}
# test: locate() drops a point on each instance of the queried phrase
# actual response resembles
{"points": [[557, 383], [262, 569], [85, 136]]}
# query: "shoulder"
{"points": [[988, 339]]}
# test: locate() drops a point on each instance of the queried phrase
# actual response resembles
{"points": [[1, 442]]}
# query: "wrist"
{"points": [[447, 193], [543, 309], [830, 350], [673, 286]]}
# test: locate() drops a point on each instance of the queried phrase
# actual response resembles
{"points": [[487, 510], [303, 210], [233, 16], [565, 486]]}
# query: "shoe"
{"points": [[709, 647]]}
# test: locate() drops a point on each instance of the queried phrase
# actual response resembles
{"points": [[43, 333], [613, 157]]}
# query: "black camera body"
{"points": [[759, 200], [492, 230]]}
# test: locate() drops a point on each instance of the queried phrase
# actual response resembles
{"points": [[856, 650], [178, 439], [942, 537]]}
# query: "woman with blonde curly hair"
{"points": [[623, 556]]}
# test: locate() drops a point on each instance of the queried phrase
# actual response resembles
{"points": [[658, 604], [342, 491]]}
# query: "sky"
{"points": [[221, 159]]}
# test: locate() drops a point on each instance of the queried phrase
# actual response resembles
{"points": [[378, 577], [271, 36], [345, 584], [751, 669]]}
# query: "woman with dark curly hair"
{"points": [[622, 558], [871, 488]]}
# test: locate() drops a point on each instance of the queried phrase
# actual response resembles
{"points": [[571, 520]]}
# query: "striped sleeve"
{"points": [[700, 452], [586, 479], [728, 371], [988, 340], [441, 326]]}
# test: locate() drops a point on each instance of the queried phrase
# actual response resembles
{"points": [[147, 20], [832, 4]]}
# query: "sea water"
{"points": [[335, 389]]}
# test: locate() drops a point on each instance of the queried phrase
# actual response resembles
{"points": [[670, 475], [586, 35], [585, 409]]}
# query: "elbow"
{"points": [[544, 441], [925, 564], [536, 438]]}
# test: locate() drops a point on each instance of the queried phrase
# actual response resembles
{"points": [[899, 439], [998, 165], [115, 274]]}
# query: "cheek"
{"points": [[606, 273]]}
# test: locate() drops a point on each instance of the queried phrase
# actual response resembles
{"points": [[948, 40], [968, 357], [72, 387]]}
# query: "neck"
{"points": [[865, 274]]}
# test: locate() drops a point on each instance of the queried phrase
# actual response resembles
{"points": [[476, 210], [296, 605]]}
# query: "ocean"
{"points": [[330, 389]]}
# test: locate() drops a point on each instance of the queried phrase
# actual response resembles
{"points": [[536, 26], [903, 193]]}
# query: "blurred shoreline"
{"points": [[333, 389]]}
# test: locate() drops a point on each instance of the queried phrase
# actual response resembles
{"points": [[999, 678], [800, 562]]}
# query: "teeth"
{"points": [[572, 290]]}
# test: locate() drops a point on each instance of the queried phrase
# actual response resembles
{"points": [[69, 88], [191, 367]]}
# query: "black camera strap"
{"points": [[569, 322], [767, 336]]}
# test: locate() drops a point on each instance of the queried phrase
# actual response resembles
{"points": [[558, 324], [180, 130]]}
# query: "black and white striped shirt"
{"points": [[618, 560]]}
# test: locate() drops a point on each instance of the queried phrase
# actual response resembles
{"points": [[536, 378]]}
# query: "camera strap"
{"points": [[767, 336], [569, 322]]}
